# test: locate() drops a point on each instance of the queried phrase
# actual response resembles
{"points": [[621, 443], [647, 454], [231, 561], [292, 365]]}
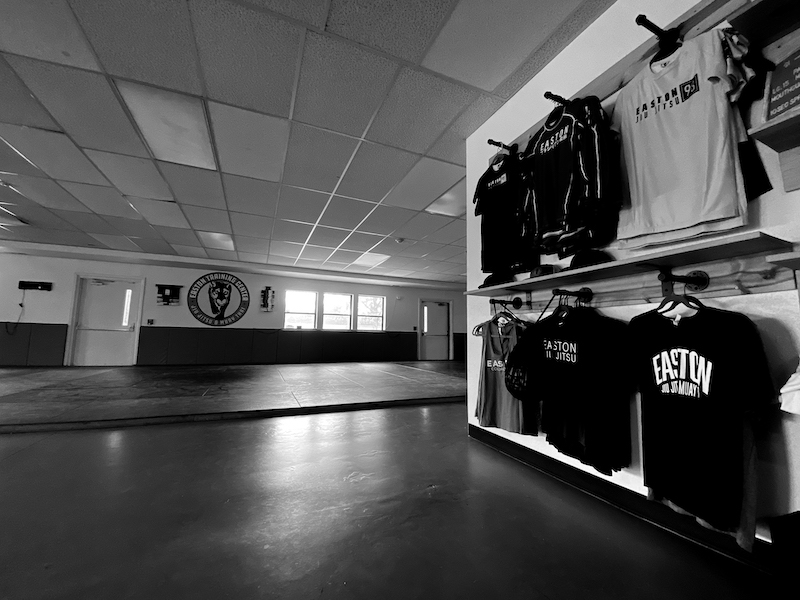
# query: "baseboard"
{"points": [[763, 556]]}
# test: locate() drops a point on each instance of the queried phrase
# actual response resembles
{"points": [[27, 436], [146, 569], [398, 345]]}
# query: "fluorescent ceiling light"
{"points": [[174, 125], [452, 203], [371, 259], [220, 241]]}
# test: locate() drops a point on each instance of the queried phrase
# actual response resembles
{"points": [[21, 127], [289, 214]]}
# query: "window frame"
{"points": [[350, 321], [357, 314], [287, 312]]}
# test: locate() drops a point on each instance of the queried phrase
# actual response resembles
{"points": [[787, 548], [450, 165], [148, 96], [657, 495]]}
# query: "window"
{"points": [[370, 313], [301, 310], [337, 311]]}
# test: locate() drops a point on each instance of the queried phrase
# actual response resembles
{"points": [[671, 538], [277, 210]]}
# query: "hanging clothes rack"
{"points": [[516, 303], [512, 149], [669, 40], [584, 294], [695, 281]]}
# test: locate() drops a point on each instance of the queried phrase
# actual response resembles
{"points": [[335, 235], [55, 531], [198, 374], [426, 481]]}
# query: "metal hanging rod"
{"points": [[643, 21], [584, 294], [695, 280], [556, 98], [515, 303], [512, 148]]}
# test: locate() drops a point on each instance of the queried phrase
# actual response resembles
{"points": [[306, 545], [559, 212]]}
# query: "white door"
{"points": [[105, 329], [435, 331]]}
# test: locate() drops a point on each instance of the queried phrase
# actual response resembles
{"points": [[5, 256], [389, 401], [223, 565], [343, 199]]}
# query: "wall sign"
{"points": [[784, 86], [218, 299]]}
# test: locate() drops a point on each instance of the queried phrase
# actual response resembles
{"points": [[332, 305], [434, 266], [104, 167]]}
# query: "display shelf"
{"points": [[788, 260], [721, 248], [781, 133]]}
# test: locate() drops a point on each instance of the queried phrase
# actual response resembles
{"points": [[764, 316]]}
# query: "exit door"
{"points": [[435, 339], [105, 326]]}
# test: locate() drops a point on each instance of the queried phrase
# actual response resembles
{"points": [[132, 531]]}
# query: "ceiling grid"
{"points": [[339, 100]]}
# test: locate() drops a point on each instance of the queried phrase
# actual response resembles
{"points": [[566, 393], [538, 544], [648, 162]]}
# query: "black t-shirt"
{"points": [[573, 371], [699, 380], [499, 199]]}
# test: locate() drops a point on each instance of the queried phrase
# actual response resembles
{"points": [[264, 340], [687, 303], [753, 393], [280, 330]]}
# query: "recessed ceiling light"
{"points": [[371, 259], [452, 203], [174, 125]]}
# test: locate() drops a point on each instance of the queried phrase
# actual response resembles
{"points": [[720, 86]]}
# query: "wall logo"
{"points": [[218, 299]]}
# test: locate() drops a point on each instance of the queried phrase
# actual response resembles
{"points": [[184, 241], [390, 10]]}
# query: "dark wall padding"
{"points": [[210, 346], [32, 344], [460, 346]]}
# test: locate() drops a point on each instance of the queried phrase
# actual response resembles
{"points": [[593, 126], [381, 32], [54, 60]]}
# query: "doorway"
{"points": [[106, 321], [434, 330]]}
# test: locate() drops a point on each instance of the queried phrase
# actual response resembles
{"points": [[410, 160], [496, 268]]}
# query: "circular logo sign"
{"points": [[218, 299]]}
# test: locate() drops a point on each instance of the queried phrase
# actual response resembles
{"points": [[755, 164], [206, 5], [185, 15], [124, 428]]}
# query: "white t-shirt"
{"points": [[679, 137]]}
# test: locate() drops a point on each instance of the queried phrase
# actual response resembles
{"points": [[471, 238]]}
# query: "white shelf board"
{"points": [[788, 260], [710, 250]]}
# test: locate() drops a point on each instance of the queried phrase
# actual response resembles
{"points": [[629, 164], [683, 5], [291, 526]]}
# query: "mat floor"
{"points": [[33, 399]]}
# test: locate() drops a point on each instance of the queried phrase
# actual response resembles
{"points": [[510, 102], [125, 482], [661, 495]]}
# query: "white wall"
{"points": [[613, 36], [402, 303]]}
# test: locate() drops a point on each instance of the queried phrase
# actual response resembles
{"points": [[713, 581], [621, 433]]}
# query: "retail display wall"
{"points": [[596, 51]]}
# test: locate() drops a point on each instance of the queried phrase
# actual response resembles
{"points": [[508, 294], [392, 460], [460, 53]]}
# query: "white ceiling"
{"points": [[308, 135]]}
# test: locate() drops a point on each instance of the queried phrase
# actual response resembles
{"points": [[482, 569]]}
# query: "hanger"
{"points": [[668, 40], [680, 305], [504, 152]]}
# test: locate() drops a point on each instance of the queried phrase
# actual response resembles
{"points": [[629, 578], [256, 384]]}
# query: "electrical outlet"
{"points": [[151, 321]]}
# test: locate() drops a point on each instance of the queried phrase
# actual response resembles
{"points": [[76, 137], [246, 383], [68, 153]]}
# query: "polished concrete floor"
{"points": [[66, 398], [375, 504]]}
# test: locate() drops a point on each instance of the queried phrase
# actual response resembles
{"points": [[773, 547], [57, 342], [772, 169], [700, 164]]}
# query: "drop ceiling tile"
{"points": [[12, 162], [304, 263], [47, 30], [315, 253], [374, 171], [116, 242], [250, 196], [53, 153], [459, 259], [341, 85], [145, 40], [290, 231], [403, 29], [422, 225], [253, 245], [249, 143], [83, 103], [395, 262], [102, 200], [421, 99], [208, 219], [134, 228], [63, 238], [453, 144], [401, 273], [449, 233], [445, 253], [385, 219], [158, 212], [248, 58], [344, 256], [44, 191], [507, 24], [182, 237], [428, 180], [313, 12], [355, 268], [285, 249], [253, 258], [327, 236], [345, 213], [173, 124], [360, 242], [462, 242], [154, 246], [38, 216], [280, 260], [316, 158], [251, 225], [190, 251], [301, 205], [197, 187], [213, 239], [222, 254], [420, 249], [132, 176], [333, 266], [452, 203], [17, 104]]}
